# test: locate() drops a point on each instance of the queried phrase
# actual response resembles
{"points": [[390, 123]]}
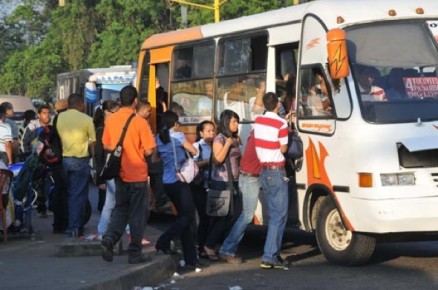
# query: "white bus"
{"points": [[367, 111], [103, 84]]}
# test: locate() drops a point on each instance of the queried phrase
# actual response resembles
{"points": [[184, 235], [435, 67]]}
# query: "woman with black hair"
{"points": [[168, 140], [205, 133], [226, 145]]}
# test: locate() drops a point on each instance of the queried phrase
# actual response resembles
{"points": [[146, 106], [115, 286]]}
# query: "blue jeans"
{"points": [[249, 186], [78, 172], [275, 192], [110, 203]]}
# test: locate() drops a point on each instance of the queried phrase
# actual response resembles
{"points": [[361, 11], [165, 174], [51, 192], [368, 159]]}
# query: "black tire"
{"points": [[87, 214], [337, 244]]}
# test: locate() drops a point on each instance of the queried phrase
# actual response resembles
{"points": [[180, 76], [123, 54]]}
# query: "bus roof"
{"points": [[358, 11]]}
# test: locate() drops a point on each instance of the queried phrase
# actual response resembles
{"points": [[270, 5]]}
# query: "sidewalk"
{"points": [[48, 262]]}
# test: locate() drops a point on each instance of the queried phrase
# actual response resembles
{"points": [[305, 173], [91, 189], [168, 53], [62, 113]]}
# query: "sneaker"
{"points": [[276, 265], [197, 267], [93, 237], [235, 260], [107, 249]]}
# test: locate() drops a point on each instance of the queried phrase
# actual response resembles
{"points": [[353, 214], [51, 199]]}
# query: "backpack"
{"points": [[49, 146]]}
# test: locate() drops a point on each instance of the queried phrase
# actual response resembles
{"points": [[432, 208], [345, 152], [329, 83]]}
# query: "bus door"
{"points": [[316, 114], [158, 83]]}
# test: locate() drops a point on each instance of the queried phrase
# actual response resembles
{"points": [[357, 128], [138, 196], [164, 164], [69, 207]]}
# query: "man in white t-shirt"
{"points": [[5, 139], [368, 91]]}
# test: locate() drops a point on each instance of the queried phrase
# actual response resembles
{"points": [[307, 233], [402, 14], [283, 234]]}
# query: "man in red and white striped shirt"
{"points": [[271, 137]]}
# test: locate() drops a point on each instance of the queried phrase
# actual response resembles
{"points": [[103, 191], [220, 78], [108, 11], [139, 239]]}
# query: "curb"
{"points": [[161, 268], [85, 248]]}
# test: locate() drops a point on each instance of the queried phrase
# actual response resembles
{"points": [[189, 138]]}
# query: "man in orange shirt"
{"points": [[131, 187]]}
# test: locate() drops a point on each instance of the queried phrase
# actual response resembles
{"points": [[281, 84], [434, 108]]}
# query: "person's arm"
{"points": [[8, 149], [148, 152], [283, 148], [30, 134], [220, 151], [190, 148], [92, 147]]}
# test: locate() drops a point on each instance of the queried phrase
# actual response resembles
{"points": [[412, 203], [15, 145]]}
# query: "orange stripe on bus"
{"points": [[163, 54], [172, 37], [316, 173]]}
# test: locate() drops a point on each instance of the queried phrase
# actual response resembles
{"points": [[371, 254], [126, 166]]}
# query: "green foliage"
{"points": [[40, 40]]}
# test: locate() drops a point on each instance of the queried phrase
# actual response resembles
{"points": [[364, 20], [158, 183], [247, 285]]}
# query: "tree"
{"points": [[127, 24], [40, 40]]}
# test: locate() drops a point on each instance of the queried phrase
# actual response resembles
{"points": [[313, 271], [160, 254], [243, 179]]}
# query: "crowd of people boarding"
{"points": [[154, 160]]}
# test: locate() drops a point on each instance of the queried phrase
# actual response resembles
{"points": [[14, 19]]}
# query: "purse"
{"points": [[295, 144], [220, 194], [295, 150], [188, 170], [113, 159]]}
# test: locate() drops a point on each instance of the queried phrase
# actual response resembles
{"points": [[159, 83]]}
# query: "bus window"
{"points": [[286, 66], [314, 98], [239, 94], [243, 55], [242, 76], [183, 63], [192, 85]]}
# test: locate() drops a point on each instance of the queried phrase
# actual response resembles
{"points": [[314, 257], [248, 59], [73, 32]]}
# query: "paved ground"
{"points": [[49, 262]]}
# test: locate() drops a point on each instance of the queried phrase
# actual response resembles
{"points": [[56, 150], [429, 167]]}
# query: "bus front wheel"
{"points": [[338, 244]]}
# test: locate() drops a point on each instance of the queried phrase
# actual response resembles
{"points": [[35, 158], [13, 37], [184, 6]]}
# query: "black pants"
{"points": [[200, 199], [60, 198], [181, 196], [131, 208]]}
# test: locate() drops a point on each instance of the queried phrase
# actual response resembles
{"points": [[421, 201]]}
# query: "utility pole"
{"points": [[215, 7]]}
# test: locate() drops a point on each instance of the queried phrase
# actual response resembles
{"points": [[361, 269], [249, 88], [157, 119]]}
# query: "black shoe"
{"points": [[59, 230], [107, 249], [166, 251], [139, 259], [197, 267]]}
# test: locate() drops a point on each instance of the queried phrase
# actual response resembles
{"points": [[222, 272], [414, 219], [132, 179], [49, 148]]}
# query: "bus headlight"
{"points": [[397, 179]]}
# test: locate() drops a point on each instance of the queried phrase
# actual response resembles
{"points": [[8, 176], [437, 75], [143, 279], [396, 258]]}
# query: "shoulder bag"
{"points": [[188, 170], [113, 159], [295, 149]]}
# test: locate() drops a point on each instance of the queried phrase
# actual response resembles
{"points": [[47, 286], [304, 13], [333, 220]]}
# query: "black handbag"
{"points": [[295, 150], [113, 159], [295, 144]]}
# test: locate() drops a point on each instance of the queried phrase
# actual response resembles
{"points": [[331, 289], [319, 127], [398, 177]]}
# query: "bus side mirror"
{"points": [[337, 54]]}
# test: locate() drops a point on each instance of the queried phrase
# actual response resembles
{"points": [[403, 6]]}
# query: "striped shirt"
{"points": [[375, 94], [270, 132], [5, 135]]}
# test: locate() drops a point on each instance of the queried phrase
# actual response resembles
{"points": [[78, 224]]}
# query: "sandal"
{"points": [[211, 254]]}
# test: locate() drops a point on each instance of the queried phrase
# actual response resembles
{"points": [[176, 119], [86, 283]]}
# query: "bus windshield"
{"points": [[394, 66]]}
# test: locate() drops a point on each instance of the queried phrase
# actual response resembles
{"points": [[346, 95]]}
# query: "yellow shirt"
{"points": [[76, 130]]}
